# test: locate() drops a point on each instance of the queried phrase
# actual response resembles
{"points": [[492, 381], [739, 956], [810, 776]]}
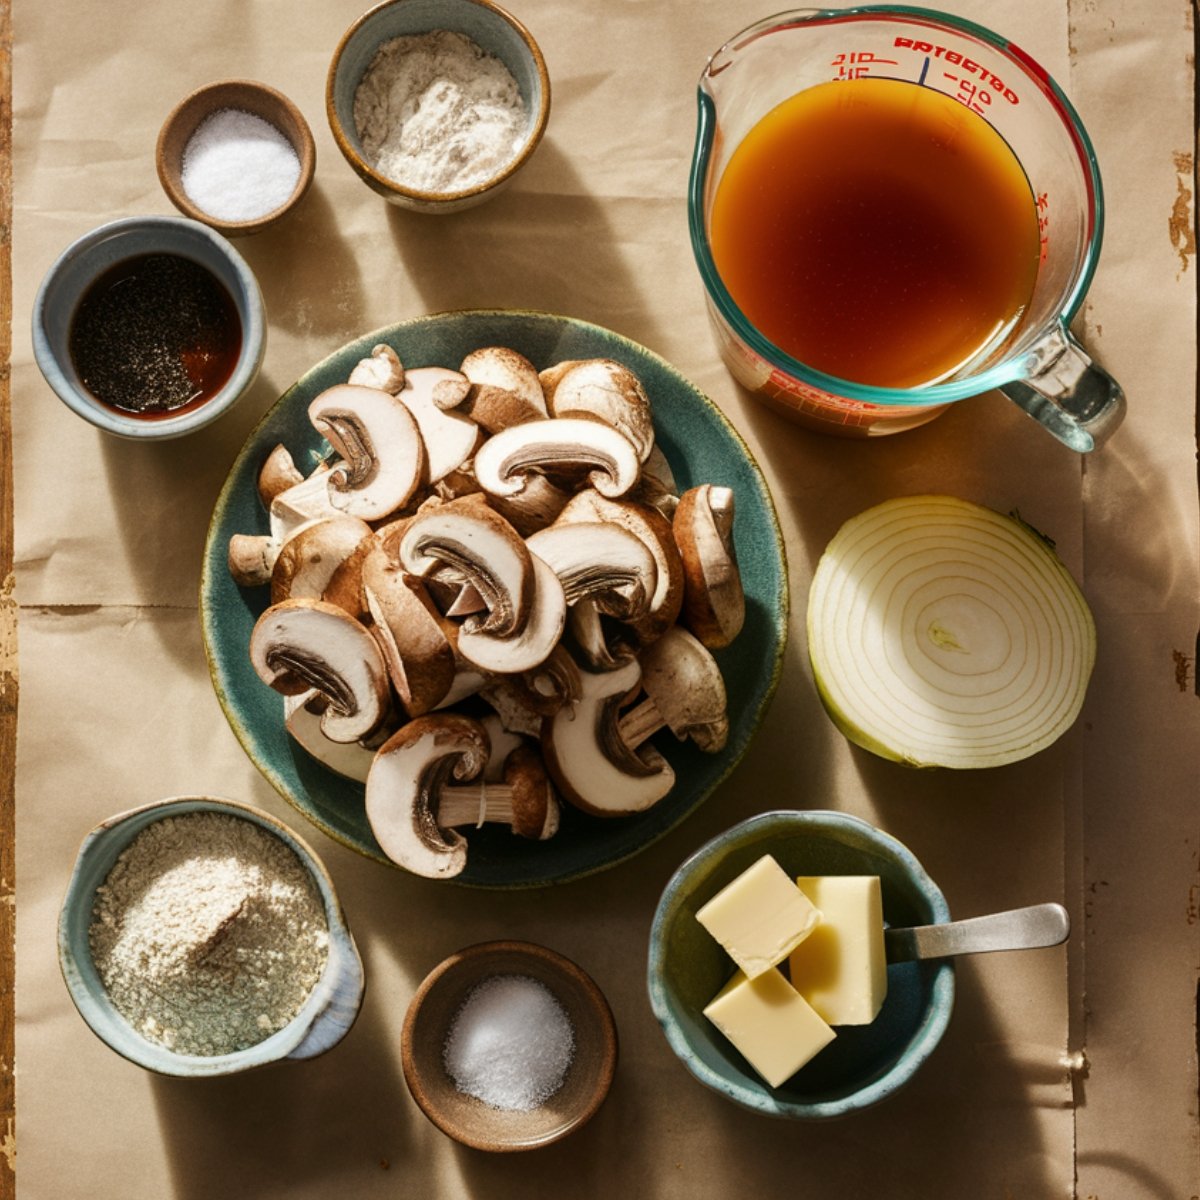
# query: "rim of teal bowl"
{"points": [[780, 614], [759, 1098]]}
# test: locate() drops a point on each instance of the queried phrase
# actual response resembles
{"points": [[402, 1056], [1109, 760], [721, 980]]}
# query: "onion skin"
{"points": [[945, 634]]}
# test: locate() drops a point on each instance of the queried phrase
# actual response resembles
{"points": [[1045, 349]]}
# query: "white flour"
{"points": [[437, 113], [208, 933]]}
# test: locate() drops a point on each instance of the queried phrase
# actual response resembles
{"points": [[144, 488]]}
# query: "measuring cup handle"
{"points": [[1077, 401]]}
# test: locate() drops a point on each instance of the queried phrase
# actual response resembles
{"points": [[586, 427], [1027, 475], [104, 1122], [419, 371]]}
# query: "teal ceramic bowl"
{"points": [[87, 258], [687, 967], [327, 1015], [700, 445], [491, 28]]}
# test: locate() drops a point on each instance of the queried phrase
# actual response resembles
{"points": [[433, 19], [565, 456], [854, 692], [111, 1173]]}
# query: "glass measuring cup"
{"points": [[1039, 365]]}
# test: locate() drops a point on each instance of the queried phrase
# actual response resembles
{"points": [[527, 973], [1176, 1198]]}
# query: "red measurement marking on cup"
{"points": [[1043, 212], [858, 64], [966, 66]]}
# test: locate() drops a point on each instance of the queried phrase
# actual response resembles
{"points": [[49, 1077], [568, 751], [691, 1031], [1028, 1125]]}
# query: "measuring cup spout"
{"points": [[1066, 392]]}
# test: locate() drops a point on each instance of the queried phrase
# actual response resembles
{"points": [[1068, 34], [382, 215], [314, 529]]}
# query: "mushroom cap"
{"points": [[411, 634], [532, 644], [534, 805], [470, 536], [561, 444], [714, 605], [587, 758], [608, 391], [504, 389], [382, 370], [308, 560], [278, 473], [302, 644], [251, 558], [410, 768], [685, 683], [377, 437], [601, 560], [655, 531], [302, 717]]}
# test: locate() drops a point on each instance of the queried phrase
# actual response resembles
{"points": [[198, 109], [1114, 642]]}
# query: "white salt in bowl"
{"points": [[239, 96], [431, 1016], [492, 29], [323, 1020]]}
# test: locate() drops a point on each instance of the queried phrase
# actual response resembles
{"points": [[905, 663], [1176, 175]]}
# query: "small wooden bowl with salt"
{"points": [[237, 155], [508, 1046]]}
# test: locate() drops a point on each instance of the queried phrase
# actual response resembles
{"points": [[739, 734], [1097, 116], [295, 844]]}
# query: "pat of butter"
{"points": [[841, 970], [773, 1027], [760, 917]]}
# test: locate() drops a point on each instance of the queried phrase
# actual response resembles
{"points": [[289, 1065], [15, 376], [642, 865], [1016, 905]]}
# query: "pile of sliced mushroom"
{"points": [[490, 595]]}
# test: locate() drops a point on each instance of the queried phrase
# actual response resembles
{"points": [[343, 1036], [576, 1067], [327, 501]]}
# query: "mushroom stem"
{"points": [[639, 723], [458, 806]]}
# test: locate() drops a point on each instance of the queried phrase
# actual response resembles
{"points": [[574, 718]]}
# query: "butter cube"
{"points": [[760, 917], [773, 1027], [841, 970]]}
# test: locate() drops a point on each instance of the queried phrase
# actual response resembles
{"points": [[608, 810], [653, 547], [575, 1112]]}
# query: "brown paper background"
{"points": [[1064, 1072]]}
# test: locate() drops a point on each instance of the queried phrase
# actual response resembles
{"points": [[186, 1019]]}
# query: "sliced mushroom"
{"points": [[377, 438], [449, 439], [534, 507], [411, 633], [602, 561], [302, 717], [573, 445], [278, 473], [502, 742], [523, 799], [591, 641], [657, 486], [588, 759], [383, 370], [532, 644], [685, 692], [714, 606], [655, 532], [302, 644], [251, 558], [409, 771], [609, 392], [302, 503], [504, 389], [308, 560], [470, 536]]}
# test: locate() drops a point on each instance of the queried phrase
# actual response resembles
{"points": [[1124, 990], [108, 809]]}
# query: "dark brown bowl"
{"points": [[469, 1120], [248, 96]]}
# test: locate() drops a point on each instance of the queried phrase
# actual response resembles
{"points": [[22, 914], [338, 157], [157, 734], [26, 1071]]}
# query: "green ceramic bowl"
{"points": [[324, 1020], [700, 445], [687, 967]]}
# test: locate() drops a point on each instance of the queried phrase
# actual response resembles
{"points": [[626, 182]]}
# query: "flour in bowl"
{"points": [[437, 113]]}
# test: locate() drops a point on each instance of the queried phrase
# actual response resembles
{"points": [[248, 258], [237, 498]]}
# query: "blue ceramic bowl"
{"points": [[327, 1014], [700, 445], [89, 257], [490, 27], [687, 967]]}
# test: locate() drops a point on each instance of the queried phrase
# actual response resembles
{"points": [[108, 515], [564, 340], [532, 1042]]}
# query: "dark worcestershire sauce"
{"points": [[155, 335]]}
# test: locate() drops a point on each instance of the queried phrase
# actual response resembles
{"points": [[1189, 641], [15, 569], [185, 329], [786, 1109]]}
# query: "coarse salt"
{"points": [[239, 167], [510, 1044]]}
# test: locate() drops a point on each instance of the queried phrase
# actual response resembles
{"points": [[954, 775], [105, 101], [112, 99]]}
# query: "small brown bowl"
{"points": [[469, 1120], [247, 96]]}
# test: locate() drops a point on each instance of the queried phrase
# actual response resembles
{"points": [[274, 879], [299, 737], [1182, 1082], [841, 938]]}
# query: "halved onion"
{"points": [[945, 634]]}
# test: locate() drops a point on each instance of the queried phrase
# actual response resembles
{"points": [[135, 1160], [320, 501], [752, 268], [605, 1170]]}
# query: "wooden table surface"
{"points": [[8, 635]]}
